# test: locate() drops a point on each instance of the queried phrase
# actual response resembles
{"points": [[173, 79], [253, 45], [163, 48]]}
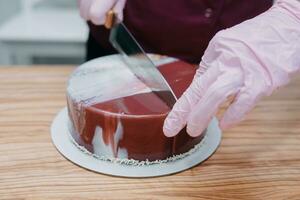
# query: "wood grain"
{"points": [[259, 159]]}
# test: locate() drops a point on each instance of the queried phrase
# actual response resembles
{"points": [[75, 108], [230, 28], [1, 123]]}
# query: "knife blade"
{"points": [[140, 64]]}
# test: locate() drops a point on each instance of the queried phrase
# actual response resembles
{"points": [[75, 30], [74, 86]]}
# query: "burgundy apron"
{"points": [[181, 28]]}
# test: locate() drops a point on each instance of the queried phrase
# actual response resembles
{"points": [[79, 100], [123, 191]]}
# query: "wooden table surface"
{"points": [[259, 159]]}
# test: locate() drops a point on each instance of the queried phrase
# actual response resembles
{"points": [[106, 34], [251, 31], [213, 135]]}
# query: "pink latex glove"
{"points": [[248, 61], [95, 10]]}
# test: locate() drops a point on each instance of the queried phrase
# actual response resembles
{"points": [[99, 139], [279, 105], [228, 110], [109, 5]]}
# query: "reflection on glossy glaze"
{"points": [[131, 127]]}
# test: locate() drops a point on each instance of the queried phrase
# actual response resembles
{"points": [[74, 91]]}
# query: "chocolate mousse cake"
{"points": [[114, 115]]}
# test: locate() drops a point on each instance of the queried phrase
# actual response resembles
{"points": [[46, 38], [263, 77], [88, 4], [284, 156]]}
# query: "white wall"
{"points": [[71, 27], [8, 8]]}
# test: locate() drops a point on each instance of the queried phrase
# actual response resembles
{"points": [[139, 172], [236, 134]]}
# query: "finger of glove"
{"points": [[84, 8], [99, 9], [119, 9], [177, 117], [226, 85]]}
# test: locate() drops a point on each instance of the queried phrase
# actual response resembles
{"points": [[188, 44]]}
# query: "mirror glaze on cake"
{"points": [[113, 114]]}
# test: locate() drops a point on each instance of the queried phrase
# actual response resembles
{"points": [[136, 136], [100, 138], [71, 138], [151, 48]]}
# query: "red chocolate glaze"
{"points": [[141, 117]]}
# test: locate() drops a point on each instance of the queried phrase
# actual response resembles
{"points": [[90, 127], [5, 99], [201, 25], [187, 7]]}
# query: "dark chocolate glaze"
{"points": [[140, 117]]}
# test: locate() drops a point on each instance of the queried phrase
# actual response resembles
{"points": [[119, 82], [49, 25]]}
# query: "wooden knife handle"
{"points": [[110, 19]]}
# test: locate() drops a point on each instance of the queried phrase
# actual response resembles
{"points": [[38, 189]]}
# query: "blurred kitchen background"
{"points": [[41, 32]]}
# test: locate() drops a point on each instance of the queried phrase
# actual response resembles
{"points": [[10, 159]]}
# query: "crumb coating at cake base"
{"points": [[113, 114]]}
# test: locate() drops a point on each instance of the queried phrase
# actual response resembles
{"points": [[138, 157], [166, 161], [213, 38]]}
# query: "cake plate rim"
{"points": [[61, 139]]}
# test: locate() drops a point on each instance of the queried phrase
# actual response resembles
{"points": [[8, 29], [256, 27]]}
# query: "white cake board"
{"points": [[61, 139]]}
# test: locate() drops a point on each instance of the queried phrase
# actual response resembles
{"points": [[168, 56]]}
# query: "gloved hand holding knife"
{"points": [[96, 10]]}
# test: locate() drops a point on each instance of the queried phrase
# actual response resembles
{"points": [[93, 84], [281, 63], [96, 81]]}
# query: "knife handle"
{"points": [[110, 19]]}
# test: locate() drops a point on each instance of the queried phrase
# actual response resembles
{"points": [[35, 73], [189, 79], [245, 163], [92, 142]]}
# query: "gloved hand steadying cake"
{"points": [[95, 10], [248, 61]]}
